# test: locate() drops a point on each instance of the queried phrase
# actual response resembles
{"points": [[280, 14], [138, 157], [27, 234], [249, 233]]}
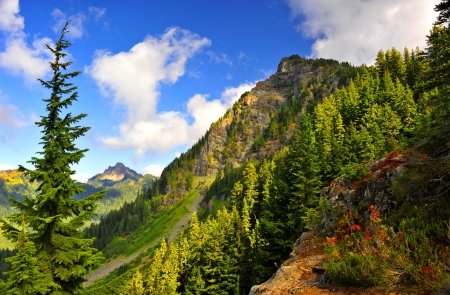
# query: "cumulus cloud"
{"points": [[29, 62], [354, 30], [81, 177], [10, 20], [7, 167], [76, 26], [133, 79], [155, 170], [19, 58], [205, 112]]}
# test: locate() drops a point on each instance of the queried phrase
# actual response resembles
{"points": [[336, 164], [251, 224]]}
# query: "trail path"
{"points": [[103, 271]]}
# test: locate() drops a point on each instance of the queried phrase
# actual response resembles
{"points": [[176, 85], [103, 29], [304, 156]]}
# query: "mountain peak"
{"points": [[116, 173], [118, 169]]}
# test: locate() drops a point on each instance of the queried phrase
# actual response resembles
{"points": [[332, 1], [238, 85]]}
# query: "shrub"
{"points": [[372, 254]]}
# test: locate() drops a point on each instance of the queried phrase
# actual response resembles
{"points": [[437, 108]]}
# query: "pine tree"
{"points": [[54, 217]]}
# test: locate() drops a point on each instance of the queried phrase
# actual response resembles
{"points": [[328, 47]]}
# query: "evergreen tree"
{"points": [[437, 79], [304, 168], [25, 276], [54, 217], [381, 63]]}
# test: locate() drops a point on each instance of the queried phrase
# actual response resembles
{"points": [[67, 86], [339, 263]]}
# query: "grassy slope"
{"points": [[162, 225]]}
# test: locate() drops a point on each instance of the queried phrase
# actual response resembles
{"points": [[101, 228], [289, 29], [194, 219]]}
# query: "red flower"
{"points": [[350, 213], [332, 240], [368, 236], [355, 227]]}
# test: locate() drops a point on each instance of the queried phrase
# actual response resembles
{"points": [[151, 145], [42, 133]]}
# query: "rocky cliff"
{"points": [[230, 140]]}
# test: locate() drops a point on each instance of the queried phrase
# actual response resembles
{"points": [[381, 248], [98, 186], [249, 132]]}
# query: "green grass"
{"points": [[147, 234], [156, 227]]}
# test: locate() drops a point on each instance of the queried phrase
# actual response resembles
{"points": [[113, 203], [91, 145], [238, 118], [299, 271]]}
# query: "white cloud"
{"points": [[155, 170], [133, 79], [81, 177], [21, 60], [76, 26], [11, 117], [219, 58], [206, 112], [10, 20], [355, 30], [18, 57], [97, 12], [7, 167]]}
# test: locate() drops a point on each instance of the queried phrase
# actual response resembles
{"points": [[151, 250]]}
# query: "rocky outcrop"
{"points": [[301, 272], [230, 140]]}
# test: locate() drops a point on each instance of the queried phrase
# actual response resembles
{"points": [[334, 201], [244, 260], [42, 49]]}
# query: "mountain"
{"points": [[322, 146], [122, 185], [274, 103], [261, 122], [15, 185], [113, 175]]}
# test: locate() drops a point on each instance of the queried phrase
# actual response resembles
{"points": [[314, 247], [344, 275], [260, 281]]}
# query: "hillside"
{"points": [[313, 124], [323, 179], [122, 185], [15, 185]]}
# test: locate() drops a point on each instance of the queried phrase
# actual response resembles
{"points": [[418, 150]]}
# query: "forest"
{"points": [[390, 116]]}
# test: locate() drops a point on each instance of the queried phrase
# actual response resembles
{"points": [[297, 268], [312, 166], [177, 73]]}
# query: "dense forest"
{"points": [[395, 110], [390, 116]]}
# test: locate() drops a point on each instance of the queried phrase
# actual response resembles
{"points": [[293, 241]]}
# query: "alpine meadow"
{"points": [[324, 178]]}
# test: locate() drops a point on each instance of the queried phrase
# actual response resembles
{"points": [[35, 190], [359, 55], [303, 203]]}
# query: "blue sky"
{"points": [[156, 74]]}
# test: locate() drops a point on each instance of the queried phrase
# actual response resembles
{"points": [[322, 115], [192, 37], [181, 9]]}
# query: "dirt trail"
{"points": [[103, 271]]}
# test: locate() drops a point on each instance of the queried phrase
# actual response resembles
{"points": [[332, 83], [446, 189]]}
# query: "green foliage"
{"points": [[258, 144], [25, 276], [54, 217], [373, 254]]}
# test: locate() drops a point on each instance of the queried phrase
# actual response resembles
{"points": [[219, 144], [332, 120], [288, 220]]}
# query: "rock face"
{"points": [[301, 273], [375, 189], [114, 174], [230, 140]]}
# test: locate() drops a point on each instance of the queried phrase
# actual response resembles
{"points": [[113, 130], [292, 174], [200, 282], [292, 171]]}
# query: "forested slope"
{"points": [[271, 176], [356, 157]]}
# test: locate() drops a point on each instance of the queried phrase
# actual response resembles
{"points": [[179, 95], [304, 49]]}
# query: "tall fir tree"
{"points": [[53, 216]]}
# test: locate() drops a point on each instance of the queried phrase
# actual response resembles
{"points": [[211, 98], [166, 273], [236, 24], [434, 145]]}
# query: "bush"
{"points": [[368, 253]]}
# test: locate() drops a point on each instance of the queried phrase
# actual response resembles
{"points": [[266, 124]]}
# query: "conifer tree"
{"points": [[304, 168], [437, 79], [25, 276], [54, 217]]}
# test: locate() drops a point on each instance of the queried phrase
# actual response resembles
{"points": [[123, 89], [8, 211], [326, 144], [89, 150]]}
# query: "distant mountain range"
{"points": [[121, 182]]}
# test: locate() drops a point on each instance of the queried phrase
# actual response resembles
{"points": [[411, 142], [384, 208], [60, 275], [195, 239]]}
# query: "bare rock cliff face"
{"points": [[229, 141]]}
